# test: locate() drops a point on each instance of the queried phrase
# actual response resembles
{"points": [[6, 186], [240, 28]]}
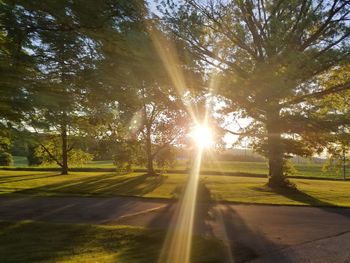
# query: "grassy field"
{"points": [[305, 170], [222, 188], [88, 183], [43, 242], [253, 190]]}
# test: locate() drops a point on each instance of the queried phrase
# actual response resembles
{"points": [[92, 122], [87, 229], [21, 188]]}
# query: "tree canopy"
{"points": [[273, 61]]}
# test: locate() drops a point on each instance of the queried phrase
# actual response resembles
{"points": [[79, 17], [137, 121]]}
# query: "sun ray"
{"points": [[202, 136], [177, 247], [168, 55]]}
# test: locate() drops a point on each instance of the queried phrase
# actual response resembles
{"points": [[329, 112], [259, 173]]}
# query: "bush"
{"points": [[76, 156], [32, 157], [5, 159], [288, 168], [123, 159], [166, 158]]}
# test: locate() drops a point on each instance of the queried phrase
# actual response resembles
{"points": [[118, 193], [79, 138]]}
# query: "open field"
{"points": [[221, 188], [305, 170], [44, 242]]}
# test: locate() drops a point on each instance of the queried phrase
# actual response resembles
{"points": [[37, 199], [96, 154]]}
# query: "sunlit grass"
{"points": [[89, 184], [307, 170], [46, 242], [253, 190], [228, 188]]}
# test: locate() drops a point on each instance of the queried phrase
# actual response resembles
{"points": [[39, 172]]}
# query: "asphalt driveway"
{"points": [[260, 233]]}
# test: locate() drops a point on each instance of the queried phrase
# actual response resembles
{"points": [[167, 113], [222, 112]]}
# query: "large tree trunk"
{"points": [[64, 149], [150, 168], [275, 151]]}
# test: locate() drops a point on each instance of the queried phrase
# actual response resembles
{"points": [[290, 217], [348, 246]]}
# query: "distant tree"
{"points": [[272, 61], [160, 123], [5, 159], [5, 140], [125, 155], [338, 152], [33, 158], [166, 158], [50, 153], [5, 146]]}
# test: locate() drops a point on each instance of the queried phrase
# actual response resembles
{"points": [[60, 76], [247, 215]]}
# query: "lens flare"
{"points": [[202, 135], [177, 247]]}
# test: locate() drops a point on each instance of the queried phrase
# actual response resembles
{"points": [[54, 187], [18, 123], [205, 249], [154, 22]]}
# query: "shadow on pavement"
{"points": [[240, 242]]}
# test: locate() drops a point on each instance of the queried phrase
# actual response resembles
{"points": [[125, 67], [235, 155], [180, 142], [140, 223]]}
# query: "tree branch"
{"points": [[318, 94], [51, 155]]}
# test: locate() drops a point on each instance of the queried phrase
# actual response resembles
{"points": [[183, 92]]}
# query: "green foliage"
{"points": [[166, 158], [61, 63], [274, 62], [336, 164], [5, 139], [5, 159], [32, 156], [289, 168], [76, 157], [124, 156], [338, 147]]}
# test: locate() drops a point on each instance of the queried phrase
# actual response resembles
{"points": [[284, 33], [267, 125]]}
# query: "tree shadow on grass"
{"points": [[44, 242], [304, 198], [106, 184], [25, 177]]}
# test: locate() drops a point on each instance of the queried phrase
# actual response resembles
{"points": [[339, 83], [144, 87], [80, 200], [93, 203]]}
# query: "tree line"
{"points": [[133, 76]]}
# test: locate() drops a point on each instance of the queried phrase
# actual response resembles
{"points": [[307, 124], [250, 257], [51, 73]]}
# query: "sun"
{"points": [[202, 135]]}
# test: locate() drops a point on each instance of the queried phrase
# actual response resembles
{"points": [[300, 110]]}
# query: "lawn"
{"points": [[27, 242], [261, 168], [222, 188], [88, 183], [253, 190]]}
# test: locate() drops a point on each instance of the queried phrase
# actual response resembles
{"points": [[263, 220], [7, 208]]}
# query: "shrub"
{"points": [[32, 157], [5, 159]]}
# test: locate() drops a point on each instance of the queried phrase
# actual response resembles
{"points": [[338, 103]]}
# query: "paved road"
{"points": [[250, 232]]}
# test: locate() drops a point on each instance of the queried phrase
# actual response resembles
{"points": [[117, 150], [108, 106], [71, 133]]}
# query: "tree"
{"points": [[272, 60], [166, 158], [62, 42], [32, 157], [5, 159], [18, 68], [50, 153], [339, 152], [150, 111], [162, 123]]}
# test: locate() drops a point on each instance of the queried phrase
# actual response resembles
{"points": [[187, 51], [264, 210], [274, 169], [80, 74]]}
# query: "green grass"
{"points": [[253, 190], [88, 183], [44, 242], [305, 170], [223, 188]]}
